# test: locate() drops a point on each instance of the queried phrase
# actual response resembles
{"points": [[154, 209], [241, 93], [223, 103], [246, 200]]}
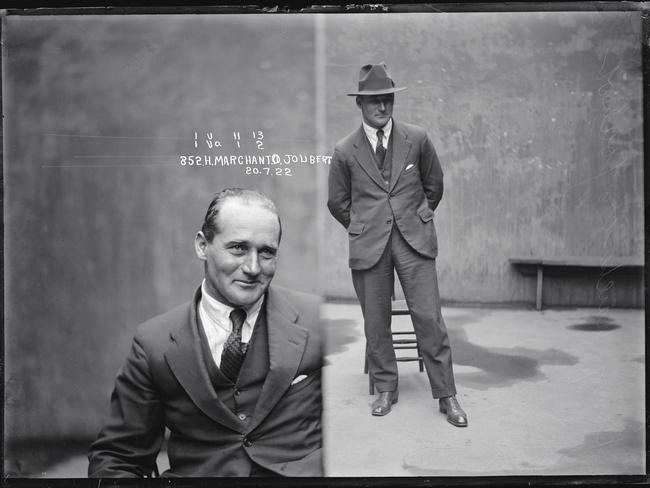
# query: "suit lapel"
{"points": [[287, 342], [185, 359], [363, 155], [401, 149]]}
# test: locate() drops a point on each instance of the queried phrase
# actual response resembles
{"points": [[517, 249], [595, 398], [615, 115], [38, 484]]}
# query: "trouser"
{"points": [[374, 288]]}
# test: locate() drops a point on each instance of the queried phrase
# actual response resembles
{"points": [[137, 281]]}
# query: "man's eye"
{"points": [[238, 248], [267, 253]]}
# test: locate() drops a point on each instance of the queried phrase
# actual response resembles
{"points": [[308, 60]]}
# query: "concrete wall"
{"points": [[536, 117], [537, 120]]}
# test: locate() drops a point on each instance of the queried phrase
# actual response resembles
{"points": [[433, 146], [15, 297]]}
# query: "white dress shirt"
{"points": [[371, 134], [215, 318]]}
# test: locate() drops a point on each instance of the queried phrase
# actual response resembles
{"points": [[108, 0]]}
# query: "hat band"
{"points": [[376, 84]]}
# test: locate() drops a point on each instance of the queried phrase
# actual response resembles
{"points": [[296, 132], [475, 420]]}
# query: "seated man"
{"points": [[234, 374]]}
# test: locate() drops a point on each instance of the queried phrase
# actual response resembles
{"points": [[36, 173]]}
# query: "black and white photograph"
{"points": [[375, 242]]}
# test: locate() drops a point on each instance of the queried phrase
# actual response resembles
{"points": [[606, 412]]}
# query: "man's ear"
{"points": [[200, 244], [358, 100]]}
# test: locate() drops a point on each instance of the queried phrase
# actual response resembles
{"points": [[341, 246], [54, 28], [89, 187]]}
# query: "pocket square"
{"points": [[408, 167], [298, 379]]}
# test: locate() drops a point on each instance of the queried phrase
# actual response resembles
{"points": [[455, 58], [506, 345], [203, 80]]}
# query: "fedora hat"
{"points": [[375, 80]]}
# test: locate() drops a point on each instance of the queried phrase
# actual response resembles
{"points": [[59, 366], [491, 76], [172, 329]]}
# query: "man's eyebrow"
{"points": [[244, 242], [236, 241]]}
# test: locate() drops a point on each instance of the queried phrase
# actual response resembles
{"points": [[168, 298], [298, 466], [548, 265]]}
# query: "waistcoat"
{"points": [[241, 397]]}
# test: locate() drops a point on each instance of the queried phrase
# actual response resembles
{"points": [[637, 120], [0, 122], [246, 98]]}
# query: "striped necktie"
{"points": [[380, 150], [234, 350]]}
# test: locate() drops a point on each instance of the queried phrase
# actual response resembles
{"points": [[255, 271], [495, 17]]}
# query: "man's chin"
{"points": [[246, 295]]}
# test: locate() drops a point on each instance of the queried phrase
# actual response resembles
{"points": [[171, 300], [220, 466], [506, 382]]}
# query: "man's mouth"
{"points": [[247, 284]]}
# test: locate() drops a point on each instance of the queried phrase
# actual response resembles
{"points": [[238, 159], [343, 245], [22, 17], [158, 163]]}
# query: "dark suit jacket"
{"points": [[367, 206], [165, 383]]}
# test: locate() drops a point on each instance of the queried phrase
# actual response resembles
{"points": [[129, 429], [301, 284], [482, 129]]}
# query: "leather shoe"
{"points": [[384, 401], [455, 415]]}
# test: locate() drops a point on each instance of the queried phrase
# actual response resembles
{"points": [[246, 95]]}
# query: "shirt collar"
{"points": [[220, 312], [371, 132]]}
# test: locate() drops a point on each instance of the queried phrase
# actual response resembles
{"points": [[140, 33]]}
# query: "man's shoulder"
{"points": [[412, 130], [296, 298], [159, 327], [305, 305], [301, 308], [346, 143]]}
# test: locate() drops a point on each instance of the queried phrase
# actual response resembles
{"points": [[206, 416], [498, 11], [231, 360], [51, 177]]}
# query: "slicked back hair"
{"points": [[210, 227]]}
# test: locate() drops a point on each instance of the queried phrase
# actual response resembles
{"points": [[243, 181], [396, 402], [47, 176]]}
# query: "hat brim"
{"points": [[383, 91]]}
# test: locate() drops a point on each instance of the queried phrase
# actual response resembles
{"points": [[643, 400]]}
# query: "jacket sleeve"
{"points": [[431, 173], [130, 440], [339, 196]]}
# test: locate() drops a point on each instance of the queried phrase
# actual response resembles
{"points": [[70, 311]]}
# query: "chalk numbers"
{"points": [[247, 147], [210, 141], [266, 171], [258, 135]]}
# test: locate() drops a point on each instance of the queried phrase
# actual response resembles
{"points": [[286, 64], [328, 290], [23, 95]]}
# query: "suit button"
{"points": [[389, 221], [248, 442], [242, 416], [237, 392]]}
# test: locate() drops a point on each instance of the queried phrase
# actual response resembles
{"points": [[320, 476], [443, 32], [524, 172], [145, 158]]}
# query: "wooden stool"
{"points": [[401, 340]]}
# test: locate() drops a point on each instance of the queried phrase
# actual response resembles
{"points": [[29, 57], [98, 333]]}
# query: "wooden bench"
{"points": [[531, 265]]}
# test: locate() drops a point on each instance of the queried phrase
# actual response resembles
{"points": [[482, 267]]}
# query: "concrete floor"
{"points": [[557, 392], [546, 393]]}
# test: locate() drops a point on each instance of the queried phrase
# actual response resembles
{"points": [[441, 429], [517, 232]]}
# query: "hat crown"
{"points": [[375, 77]]}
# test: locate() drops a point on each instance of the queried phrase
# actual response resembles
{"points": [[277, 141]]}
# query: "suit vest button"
{"points": [[389, 221], [248, 442], [242, 416]]}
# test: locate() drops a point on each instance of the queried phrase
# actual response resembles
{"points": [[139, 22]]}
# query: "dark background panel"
{"points": [[100, 217]]}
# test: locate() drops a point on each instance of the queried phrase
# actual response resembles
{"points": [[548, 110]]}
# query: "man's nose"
{"points": [[382, 106], [252, 263]]}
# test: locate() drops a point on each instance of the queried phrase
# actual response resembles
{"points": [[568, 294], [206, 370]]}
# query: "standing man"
{"points": [[385, 182], [234, 375]]}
